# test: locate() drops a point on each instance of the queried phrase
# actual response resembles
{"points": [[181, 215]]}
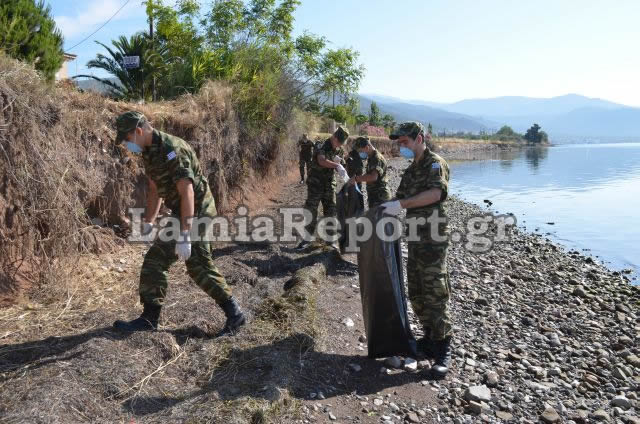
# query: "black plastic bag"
{"points": [[384, 304], [349, 204]]}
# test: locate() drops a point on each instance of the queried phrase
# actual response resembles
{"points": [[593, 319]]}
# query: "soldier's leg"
{"points": [[153, 287], [154, 272], [302, 162], [429, 288], [329, 203], [314, 195], [202, 270]]}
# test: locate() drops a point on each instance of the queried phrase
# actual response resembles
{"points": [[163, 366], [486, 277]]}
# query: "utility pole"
{"points": [[153, 81]]}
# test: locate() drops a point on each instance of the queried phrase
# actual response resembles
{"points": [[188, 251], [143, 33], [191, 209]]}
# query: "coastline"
{"points": [[545, 331]]}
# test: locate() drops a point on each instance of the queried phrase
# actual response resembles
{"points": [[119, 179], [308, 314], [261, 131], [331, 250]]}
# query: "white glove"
{"points": [[341, 171], [183, 246], [337, 159], [392, 208]]}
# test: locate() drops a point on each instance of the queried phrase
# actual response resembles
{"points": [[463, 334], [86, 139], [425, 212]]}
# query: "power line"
{"points": [[101, 26]]}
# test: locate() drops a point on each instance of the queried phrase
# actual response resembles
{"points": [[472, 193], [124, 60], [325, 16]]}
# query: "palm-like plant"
{"points": [[133, 83]]}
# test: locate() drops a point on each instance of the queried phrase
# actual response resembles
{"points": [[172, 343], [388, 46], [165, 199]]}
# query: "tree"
{"points": [[133, 83], [430, 129], [29, 33], [506, 131], [374, 115], [533, 134], [388, 121]]}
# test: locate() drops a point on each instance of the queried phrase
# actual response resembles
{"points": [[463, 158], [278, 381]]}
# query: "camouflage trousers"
{"points": [[303, 163], [317, 192], [200, 267], [429, 288], [375, 198]]}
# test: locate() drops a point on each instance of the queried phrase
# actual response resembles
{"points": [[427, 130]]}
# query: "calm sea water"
{"points": [[591, 194]]}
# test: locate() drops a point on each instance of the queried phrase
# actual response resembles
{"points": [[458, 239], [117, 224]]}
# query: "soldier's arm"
{"points": [[424, 198], [369, 177], [323, 162], [187, 203], [153, 202]]}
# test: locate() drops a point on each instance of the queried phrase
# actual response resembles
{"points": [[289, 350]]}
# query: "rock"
{"points": [[332, 417], [621, 402], [619, 373], [355, 367], [470, 362], [412, 417], [478, 393], [491, 379], [600, 415], [476, 408], [393, 362], [321, 396], [481, 301], [580, 292], [550, 415], [378, 402], [362, 338], [633, 360], [348, 322], [504, 416], [410, 365]]}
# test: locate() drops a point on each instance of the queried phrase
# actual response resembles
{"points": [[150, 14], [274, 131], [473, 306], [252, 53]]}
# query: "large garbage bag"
{"points": [[384, 304], [349, 204]]}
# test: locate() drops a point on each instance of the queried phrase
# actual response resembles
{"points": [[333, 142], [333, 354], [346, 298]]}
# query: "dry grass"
{"points": [[59, 168]]}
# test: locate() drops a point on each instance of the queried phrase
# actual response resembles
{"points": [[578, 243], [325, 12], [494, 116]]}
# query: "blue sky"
{"points": [[443, 51]]}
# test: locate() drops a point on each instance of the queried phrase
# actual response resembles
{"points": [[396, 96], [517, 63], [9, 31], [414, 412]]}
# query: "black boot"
{"points": [[148, 321], [425, 347], [235, 318], [442, 357]]}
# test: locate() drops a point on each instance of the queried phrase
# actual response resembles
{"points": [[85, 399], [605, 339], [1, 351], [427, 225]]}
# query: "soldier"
{"points": [[174, 174], [376, 175], [321, 183], [422, 191], [355, 164], [306, 153]]}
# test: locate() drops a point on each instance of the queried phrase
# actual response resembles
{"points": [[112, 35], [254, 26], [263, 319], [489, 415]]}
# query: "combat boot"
{"points": [[147, 321], [442, 357], [425, 347], [235, 318]]}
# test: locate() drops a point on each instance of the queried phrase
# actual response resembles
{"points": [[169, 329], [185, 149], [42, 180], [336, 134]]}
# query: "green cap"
{"points": [[361, 142], [410, 128], [128, 122], [341, 134]]}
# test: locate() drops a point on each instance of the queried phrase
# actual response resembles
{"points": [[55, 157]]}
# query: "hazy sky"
{"points": [[443, 50]]}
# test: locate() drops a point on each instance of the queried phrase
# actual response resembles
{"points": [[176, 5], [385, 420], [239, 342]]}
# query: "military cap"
{"points": [[341, 134], [361, 142], [409, 128], [127, 122]]}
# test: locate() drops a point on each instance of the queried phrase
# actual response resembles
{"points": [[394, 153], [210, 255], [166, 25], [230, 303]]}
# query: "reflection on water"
{"points": [[590, 194]]}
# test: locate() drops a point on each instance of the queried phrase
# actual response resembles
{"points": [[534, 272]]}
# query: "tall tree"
{"points": [[29, 33], [533, 134], [374, 115], [132, 83]]}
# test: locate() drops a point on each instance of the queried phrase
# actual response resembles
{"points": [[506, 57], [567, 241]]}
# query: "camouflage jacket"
{"points": [[322, 174], [378, 191], [431, 171], [355, 165], [306, 149], [170, 159]]}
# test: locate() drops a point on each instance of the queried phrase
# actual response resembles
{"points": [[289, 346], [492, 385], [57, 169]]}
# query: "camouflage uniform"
{"points": [[306, 154], [378, 191], [427, 275], [321, 183], [354, 166], [166, 161]]}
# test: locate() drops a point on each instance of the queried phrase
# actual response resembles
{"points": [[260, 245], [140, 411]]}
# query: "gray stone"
{"points": [[478, 393], [621, 401], [393, 362], [505, 416], [332, 417], [600, 415], [355, 367], [412, 417], [410, 365], [550, 415]]}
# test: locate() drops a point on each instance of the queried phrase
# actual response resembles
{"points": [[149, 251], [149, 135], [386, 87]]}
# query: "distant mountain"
{"points": [[520, 106], [440, 119], [562, 116]]}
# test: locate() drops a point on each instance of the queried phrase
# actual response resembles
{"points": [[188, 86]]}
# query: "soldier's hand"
{"points": [[183, 246], [393, 208], [337, 159], [341, 171]]}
